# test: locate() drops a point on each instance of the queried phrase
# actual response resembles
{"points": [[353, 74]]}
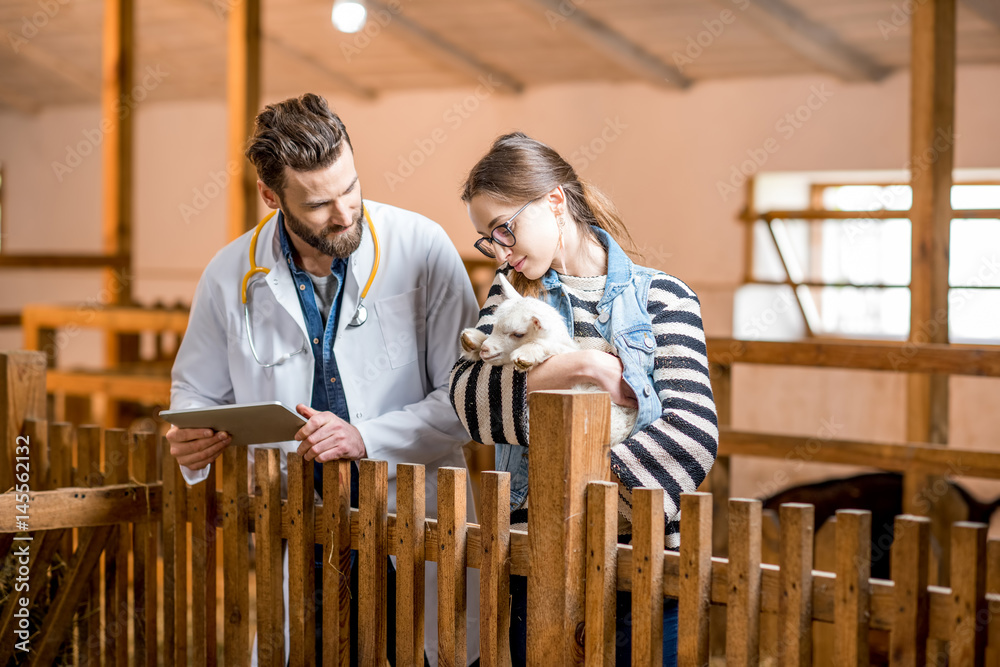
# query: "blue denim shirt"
{"points": [[624, 322], [328, 390]]}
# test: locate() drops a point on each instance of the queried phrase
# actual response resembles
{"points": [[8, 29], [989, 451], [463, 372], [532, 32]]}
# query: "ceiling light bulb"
{"points": [[348, 15]]}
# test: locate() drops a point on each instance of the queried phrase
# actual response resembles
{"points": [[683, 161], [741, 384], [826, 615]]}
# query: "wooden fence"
{"points": [[117, 503]]}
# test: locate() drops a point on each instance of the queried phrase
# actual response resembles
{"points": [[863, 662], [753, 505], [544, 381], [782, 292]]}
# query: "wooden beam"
{"points": [[987, 9], [873, 356], [614, 45], [243, 77], [86, 507], [896, 457], [439, 48], [116, 84], [932, 123], [788, 25], [66, 70], [28, 261]]}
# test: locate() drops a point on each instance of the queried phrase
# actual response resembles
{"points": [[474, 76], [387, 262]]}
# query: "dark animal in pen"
{"points": [[881, 494]]}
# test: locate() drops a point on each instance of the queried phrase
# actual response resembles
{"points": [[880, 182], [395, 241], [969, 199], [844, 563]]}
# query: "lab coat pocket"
{"points": [[401, 319]]}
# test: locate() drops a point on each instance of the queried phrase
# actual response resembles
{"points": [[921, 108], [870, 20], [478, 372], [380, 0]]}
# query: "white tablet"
{"points": [[247, 423]]}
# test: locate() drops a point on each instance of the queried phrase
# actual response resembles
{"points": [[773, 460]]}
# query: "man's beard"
{"points": [[338, 246]]}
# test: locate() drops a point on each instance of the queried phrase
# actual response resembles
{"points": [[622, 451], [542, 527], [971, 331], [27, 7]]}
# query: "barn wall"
{"points": [[665, 157]]}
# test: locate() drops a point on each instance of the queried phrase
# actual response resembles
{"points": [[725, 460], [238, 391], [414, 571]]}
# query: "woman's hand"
{"points": [[564, 371]]}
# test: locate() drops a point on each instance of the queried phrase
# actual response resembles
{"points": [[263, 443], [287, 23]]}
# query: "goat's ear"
{"points": [[508, 290], [536, 324]]}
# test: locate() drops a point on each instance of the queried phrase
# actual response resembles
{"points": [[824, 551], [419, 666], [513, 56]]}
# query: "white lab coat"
{"points": [[394, 368]]}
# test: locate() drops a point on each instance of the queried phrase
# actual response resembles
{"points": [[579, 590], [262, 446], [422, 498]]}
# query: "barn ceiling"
{"points": [[53, 50]]}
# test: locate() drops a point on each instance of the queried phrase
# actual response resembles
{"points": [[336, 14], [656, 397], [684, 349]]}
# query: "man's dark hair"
{"points": [[300, 132]]}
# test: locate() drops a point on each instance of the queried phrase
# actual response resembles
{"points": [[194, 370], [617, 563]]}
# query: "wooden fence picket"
{"points": [[410, 555], [270, 609], [145, 549], [336, 563], [647, 576], [301, 561], [174, 562], [116, 556], [743, 606], [494, 579], [372, 555], [795, 604], [235, 556], [910, 556], [967, 645], [89, 637], [695, 579], [452, 536], [852, 599]]}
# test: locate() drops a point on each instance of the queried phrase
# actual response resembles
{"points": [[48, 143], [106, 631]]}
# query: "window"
{"points": [[817, 270]]}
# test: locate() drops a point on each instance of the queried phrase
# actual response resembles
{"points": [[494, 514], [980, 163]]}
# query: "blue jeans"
{"points": [[623, 623]]}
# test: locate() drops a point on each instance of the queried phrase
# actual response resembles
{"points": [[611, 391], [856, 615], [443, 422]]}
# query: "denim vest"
{"points": [[624, 322]]}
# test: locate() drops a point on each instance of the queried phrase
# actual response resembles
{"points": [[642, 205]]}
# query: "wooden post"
{"points": [[235, 555], [301, 561], [144, 557], [568, 433], [411, 512], [22, 395], [967, 645], [174, 562], [911, 547], [718, 476], [452, 533], [932, 132], [695, 579], [795, 603], [647, 576], [853, 588], [116, 554], [243, 98], [743, 608], [337, 563], [88, 474], [203, 568], [602, 573], [267, 527], [372, 554]]}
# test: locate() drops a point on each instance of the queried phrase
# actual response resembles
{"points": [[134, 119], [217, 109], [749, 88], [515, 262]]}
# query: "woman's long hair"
{"points": [[518, 169]]}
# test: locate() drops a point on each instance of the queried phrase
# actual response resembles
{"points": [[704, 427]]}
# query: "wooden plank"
{"points": [[88, 474], [993, 586], [152, 389], [270, 610], [235, 556], [825, 214], [120, 319], [41, 549], [854, 529], [84, 507], [372, 553], [907, 457], [908, 357], [647, 580], [411, 513], [203, 513], [744, 582], [116, 555], [22, 395], [910, 556], [301, 562], [451, 565], [243, 76], [695, 579], [58, 622], [968, 586], [602, 561], [795, 607], [335, 518], [145, 550], [568, 433]]}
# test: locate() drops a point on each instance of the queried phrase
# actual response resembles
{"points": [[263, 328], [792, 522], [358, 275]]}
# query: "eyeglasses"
{"points": [[501, 235]]}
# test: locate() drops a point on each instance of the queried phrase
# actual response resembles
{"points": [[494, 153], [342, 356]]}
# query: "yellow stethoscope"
{"points": [[360, 313]]}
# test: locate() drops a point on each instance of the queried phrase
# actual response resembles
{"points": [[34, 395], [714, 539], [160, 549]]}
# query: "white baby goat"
{"points": [[527, 332]]}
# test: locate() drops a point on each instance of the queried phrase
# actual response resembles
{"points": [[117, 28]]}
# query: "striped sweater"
{"points": [[674, 453]]}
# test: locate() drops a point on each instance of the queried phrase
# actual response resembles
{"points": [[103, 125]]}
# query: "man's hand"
{"points": [[327, 437], [195, 448]]}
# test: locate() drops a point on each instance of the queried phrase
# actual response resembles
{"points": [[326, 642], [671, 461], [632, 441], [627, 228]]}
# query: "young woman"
{"points": [[641, 336]]}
